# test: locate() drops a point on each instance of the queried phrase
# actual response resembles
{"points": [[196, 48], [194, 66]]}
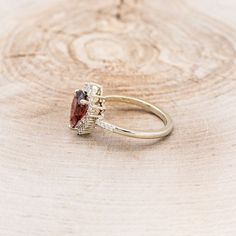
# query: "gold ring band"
{"points": [[167, 128]]}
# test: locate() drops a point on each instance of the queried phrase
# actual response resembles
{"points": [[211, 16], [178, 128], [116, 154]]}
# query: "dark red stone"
{"points": [[78, 110]]}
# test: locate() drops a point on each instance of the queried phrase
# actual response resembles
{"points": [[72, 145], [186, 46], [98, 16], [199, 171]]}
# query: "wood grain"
{"points": [[176, 54]]}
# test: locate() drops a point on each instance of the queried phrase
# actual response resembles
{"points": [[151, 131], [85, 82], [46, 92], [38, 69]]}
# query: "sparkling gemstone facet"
{"points": [[78, 110]]}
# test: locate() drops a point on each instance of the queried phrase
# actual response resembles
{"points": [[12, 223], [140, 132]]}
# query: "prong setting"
{"points": [[94, 101]]}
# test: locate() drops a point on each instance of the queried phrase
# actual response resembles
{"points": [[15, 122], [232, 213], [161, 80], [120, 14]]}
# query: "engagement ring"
{"points": [[88, 111]]}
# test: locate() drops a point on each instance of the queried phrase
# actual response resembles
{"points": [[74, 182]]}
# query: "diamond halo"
{"points": [[95, 109]]}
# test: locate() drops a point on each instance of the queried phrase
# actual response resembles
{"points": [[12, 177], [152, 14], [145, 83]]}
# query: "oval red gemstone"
{"points": [[78, 110]]}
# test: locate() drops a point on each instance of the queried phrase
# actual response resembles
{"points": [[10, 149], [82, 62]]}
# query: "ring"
{"points": [[88, 110]]}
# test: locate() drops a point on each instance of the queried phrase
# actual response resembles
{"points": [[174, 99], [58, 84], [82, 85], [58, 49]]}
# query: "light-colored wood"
{"points": [[176, 54]]}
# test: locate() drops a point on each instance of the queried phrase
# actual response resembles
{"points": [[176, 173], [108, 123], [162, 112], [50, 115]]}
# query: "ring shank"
{"points": [[164, 131]]}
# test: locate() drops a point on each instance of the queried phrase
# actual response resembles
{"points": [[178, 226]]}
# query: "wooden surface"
{"points": [[176, 54]]}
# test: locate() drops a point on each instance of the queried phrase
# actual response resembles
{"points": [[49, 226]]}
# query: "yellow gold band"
{"points": [[167, 128]]}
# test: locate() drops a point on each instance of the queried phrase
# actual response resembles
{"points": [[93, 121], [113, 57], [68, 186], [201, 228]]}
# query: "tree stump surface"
{"points": [[179, 55]]}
